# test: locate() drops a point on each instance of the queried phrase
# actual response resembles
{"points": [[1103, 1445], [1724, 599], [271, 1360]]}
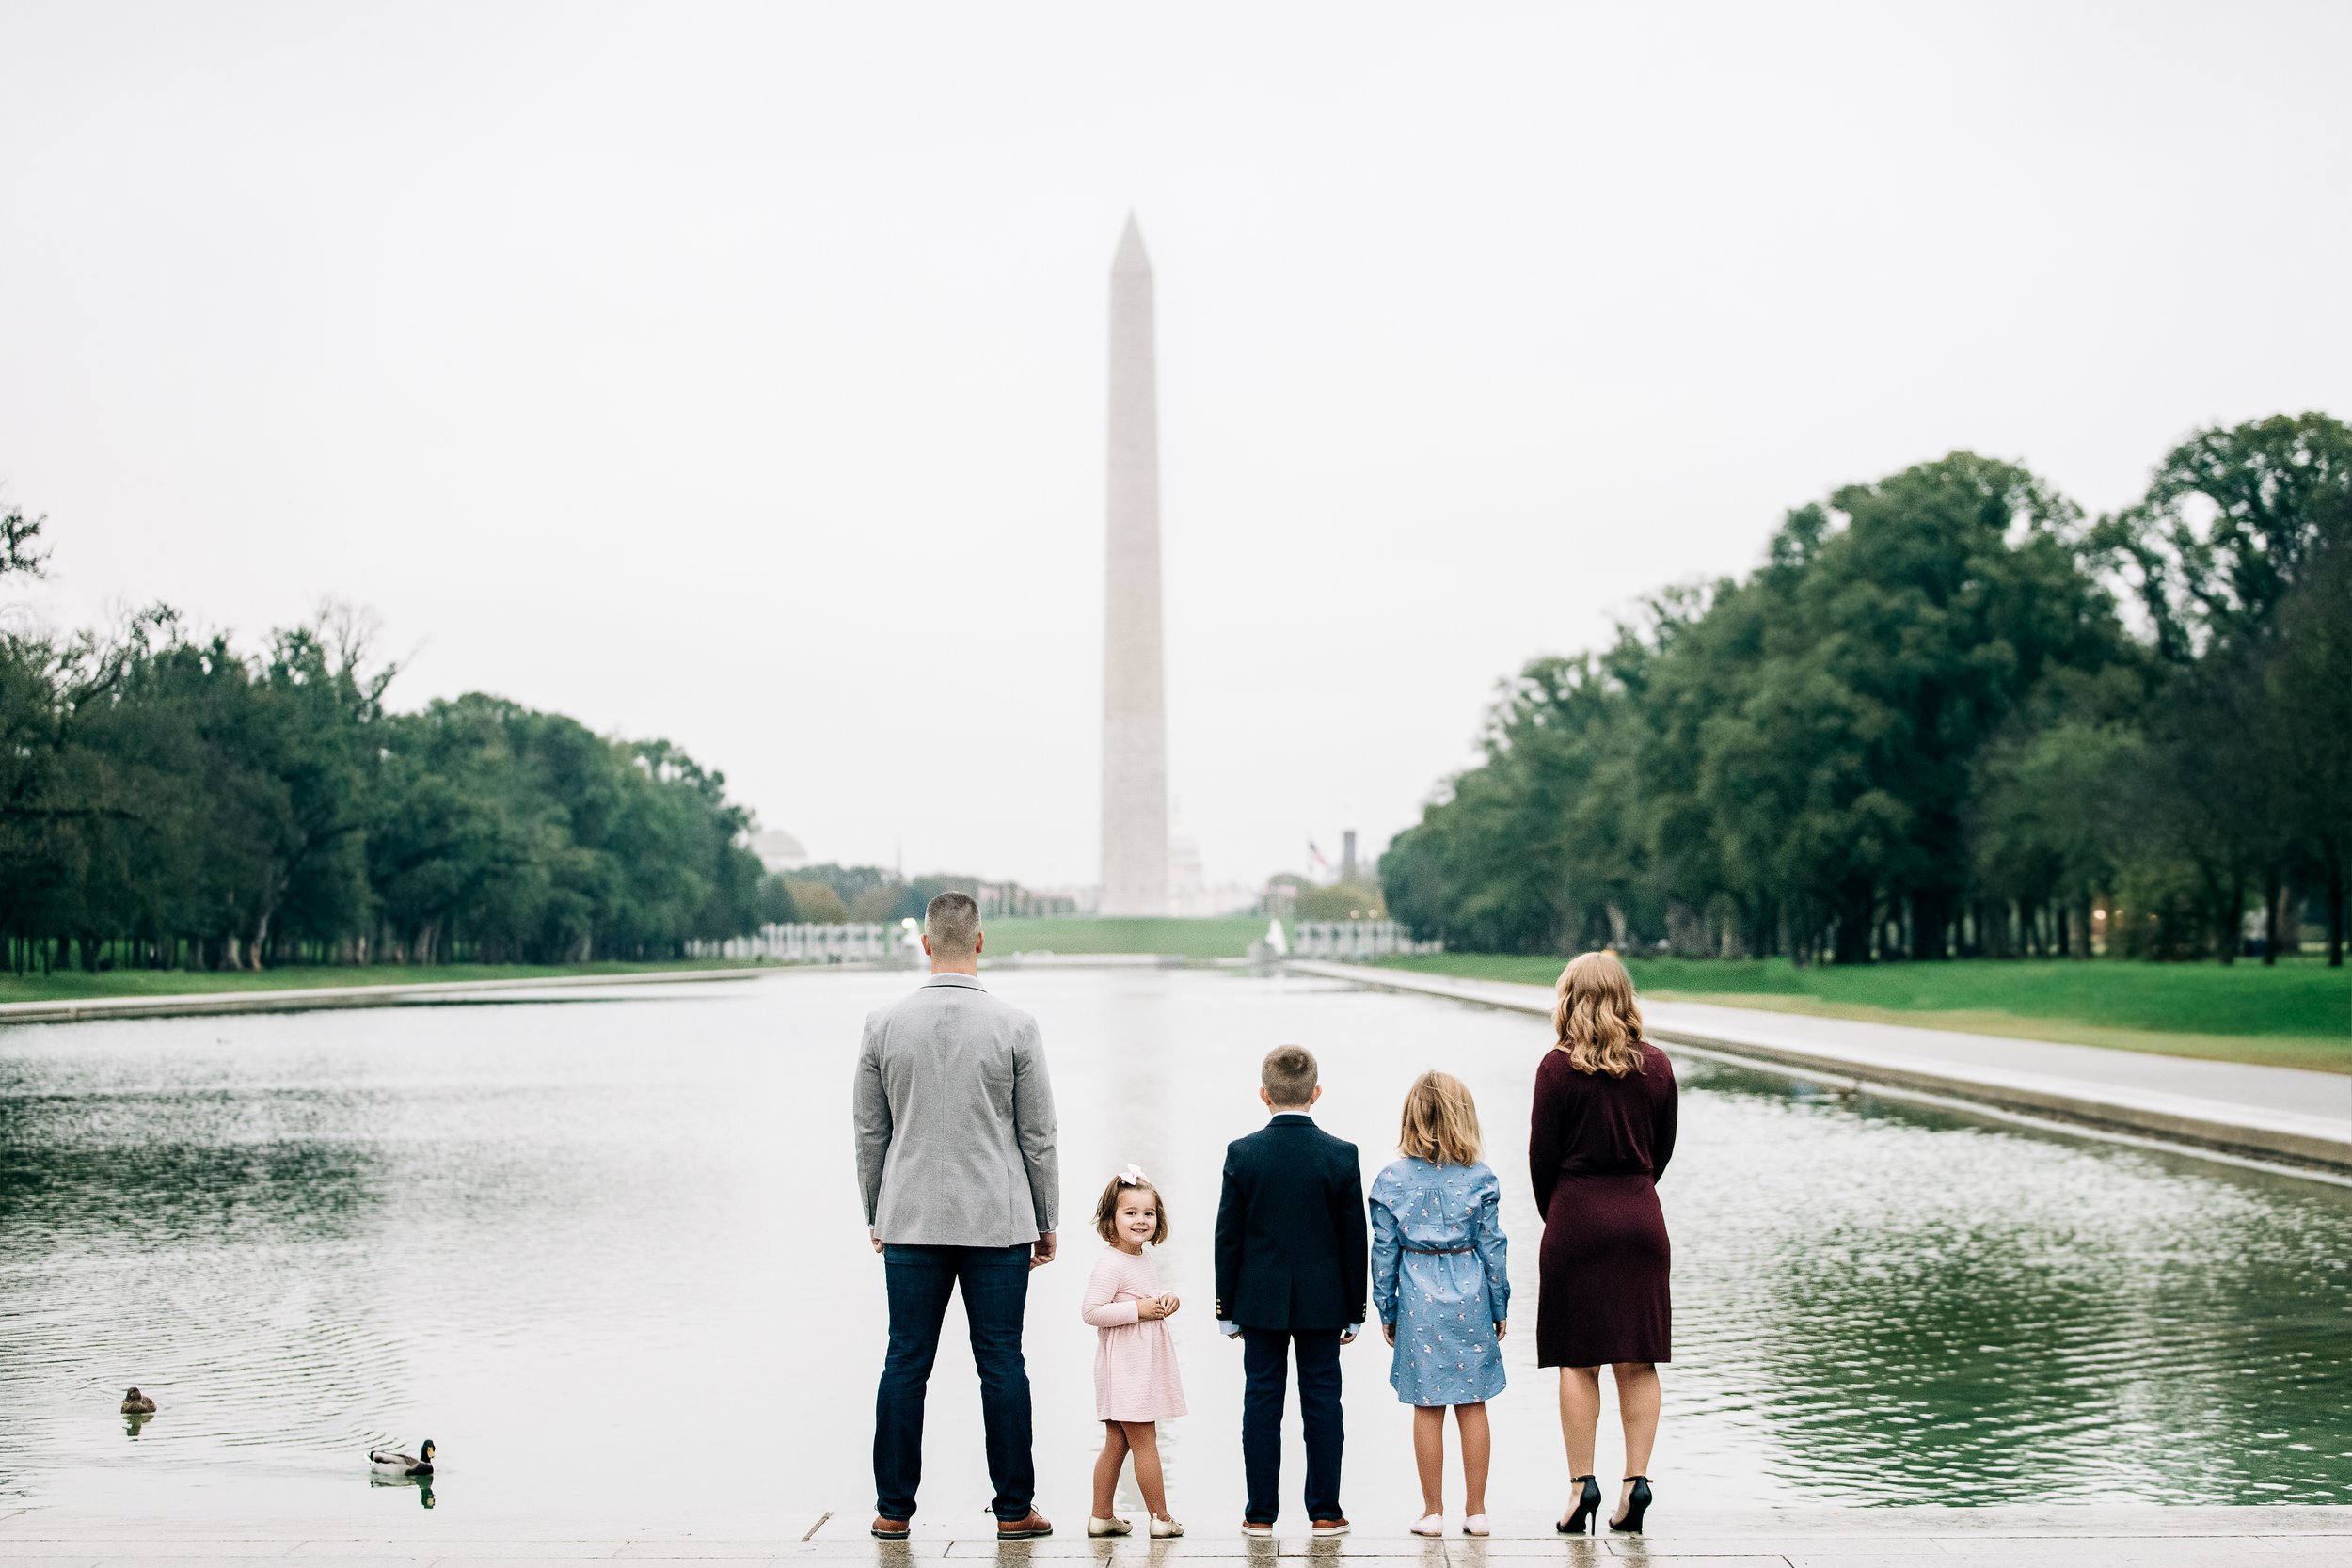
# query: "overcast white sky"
{"points": [[736, 375]]}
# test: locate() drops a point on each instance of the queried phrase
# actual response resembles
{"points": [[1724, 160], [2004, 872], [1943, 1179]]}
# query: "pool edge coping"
{"points": [[2299, 1145]]}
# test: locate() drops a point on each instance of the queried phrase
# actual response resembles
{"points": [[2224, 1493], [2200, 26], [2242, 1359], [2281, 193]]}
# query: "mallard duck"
{"points": [[391, 1463], [136, 1403]]}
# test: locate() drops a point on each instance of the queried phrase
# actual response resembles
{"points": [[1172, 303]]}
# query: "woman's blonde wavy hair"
{"points": [[1595, 1018], [1441, 1121]]}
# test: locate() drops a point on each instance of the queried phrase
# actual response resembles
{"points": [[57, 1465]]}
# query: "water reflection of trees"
{"points": [[124, 1255], [1920, 1304], [177, 1194]]}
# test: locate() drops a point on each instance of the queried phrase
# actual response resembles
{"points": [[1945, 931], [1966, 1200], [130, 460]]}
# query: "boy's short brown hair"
{"points": [[1106, 1208], [1290, 1075]]}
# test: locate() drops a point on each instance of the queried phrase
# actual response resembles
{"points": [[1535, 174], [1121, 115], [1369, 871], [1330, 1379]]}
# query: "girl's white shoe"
{"points": [[1100, 1527], [1430, 1523], [1165, 1529], [1475, 1524]]}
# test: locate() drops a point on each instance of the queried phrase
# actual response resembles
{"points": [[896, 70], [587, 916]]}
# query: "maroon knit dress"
{"points": [[1598, 1146]]}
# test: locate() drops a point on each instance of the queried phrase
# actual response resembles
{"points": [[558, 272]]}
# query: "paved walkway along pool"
{"points": [[2285, 1114], [2186, 1537]]}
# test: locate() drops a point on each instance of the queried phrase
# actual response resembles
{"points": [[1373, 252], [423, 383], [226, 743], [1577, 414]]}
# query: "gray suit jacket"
{"points": [[955, 1121]]}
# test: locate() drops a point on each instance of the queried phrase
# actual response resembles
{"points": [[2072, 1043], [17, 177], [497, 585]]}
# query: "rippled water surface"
{"points": [[613, 1245]]}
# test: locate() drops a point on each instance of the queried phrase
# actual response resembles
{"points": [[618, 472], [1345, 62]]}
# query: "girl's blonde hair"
{"points": [[1106, 1207], [1596, 1018], [1441, 1121]]}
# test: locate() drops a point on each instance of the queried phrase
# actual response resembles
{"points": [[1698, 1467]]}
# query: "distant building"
{"points": [[779, 852], [1187, 880]]}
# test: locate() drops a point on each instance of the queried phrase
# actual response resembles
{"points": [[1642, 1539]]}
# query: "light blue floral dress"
{"points": [[1440, 1274]]}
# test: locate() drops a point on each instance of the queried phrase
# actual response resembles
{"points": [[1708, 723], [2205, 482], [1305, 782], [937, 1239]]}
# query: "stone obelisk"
{"points": [[1134, 706]]}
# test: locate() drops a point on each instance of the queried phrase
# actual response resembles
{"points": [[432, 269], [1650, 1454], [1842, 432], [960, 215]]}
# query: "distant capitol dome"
{"points": [[1185, 876], [778, 850]]}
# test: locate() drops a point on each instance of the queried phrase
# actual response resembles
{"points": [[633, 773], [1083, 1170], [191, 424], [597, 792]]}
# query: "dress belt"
{"points": [[1435, 1251]]}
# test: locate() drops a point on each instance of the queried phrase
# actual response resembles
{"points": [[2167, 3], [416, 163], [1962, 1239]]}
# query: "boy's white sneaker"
{"points": [[1165, 1529], [1100, 1527], [1429, 1524], [1475, 1524]]}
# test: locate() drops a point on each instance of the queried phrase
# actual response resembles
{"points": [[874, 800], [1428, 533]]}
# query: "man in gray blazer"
{"points": [[955, 1155]]}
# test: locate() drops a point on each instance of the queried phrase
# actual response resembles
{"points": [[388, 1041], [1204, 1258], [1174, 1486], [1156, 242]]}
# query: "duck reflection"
{"points": [[134, 1419], [421, 1485]]}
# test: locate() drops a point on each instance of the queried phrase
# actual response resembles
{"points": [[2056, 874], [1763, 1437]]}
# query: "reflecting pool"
{"points": [[609, 1242]]}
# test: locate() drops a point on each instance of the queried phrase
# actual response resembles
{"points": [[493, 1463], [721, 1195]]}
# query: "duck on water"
{"points": [[389, 1462]]}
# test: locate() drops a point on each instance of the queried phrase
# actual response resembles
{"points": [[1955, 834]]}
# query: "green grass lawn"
{"points": [[75, 986], [1221, 938], [2297, 1015]]}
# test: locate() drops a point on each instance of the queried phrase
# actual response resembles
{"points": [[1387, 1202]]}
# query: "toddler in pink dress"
{"points": [[1134, 1361]]}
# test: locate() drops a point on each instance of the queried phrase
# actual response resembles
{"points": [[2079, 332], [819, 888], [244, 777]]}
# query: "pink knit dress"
{"points": [[1134, 1362]]}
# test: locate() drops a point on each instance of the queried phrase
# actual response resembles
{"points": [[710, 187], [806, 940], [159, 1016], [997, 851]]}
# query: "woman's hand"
{"points": [[1387, 1332], [1503, 1329]]}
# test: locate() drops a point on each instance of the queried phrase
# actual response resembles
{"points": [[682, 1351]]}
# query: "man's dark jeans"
{"points": [[995, 1282], [1265, 1354]]}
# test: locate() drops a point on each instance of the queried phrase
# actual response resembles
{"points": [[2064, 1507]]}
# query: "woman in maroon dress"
{"points": [[1604, 1128]]}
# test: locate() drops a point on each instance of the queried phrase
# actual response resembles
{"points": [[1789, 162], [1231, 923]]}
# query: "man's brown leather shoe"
{"points": [[1329, 1526], [1030, 1529], [888, 1529]]}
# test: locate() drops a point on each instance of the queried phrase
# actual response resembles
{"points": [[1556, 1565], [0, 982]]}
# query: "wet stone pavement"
{"points": [[2080, 1537]]}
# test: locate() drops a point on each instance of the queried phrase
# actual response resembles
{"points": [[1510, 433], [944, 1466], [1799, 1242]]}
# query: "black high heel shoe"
{"points": [[1583, 1518], [1636, 1504]]}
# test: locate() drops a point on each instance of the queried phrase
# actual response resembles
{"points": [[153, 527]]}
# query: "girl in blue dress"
{"points": [[1441, 1284]]}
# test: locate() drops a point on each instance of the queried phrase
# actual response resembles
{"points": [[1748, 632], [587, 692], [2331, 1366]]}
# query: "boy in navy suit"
{"points": [[1292, 1256]]}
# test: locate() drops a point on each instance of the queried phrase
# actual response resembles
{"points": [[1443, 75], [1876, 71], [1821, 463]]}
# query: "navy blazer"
{"points": [[1291, 1250]]}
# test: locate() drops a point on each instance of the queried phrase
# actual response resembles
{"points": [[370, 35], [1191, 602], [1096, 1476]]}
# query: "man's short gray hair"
{"points": [[952, 921]]}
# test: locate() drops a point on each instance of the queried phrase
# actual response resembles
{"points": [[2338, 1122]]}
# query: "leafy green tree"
{"points": [[2305, 704], [818, 902], [1500, 861], [2234, 557], [2232, 518], [19, 553], [2059, 808], [1342, 901], [1790, 756], [164, 800], [771, 902]]}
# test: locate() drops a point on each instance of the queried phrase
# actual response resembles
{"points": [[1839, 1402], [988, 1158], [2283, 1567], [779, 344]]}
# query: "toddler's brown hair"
{"points": [[1106, 1207]]}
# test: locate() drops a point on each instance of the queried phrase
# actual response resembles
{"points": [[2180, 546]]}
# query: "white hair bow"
{"points": [[1132, 1176]]}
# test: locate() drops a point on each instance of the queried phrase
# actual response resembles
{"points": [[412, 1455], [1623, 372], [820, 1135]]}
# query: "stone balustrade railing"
{"points": [[800, 942], [1355, 939]]}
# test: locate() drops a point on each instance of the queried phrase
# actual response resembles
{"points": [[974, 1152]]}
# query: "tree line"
{"points": [[170, 800], [1948, 714], [828, 894]]}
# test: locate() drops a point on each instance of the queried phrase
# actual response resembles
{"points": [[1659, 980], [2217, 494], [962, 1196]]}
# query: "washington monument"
{"points": [[1134, 706]]}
